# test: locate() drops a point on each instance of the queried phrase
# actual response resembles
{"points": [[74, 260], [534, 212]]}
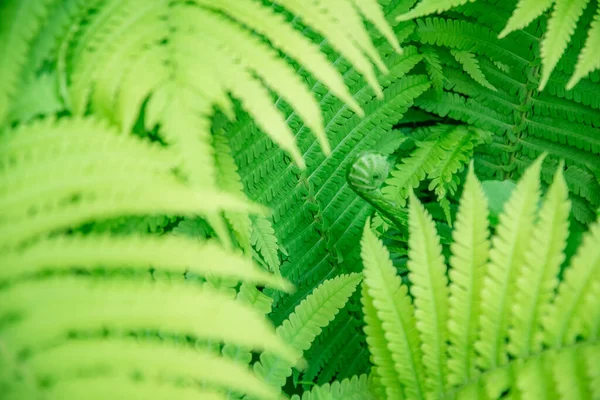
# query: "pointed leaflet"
{"points": [[149, 358], [384, 370], [355, 388], [592, 355], [123, 387], [471, 66], [534, 379], [329, 26], [426, 7], [228, 179], [525, 12], [412, 170], [174, 306], [588, 58], [538, 277], [513, 235], [277, 74], [345, 11], [289, 40], [372, 11], [394, 315], [575, 302], [167, 253], [21, 21], [314, 313], [570, 374], [427, 272], [264, 240], [470, 252], [558, 34]]}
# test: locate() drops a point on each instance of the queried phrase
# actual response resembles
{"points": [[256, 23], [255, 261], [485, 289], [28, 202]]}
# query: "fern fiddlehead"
{"points": [[365, 176]]}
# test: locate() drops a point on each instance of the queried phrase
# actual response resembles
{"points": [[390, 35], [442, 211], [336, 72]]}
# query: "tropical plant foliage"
{"points": [[499, 321], [184, 186]]}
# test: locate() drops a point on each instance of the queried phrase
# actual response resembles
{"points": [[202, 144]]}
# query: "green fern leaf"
{"points": [[37, 96], [412, 171], [94, 304], [434, 68], [506, 259], [426, 7], [427, 272], [593, 371], [458, 145], [384, 368], [389, 308], [74, 182], [125, 356], [535, 380], [537, 281], [284, 37], [305, 324], [355, 388], [264, 240], [21, 22], [99, 388], [166, 253], [588, 59], [336, 32], [471, 66], [569, 374], [574, 310], [228, 180], [372, 12], [560, 29], [470, 252], [525, 12]]}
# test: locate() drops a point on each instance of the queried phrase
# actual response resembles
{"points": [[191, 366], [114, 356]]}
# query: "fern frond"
{"points": [[264, 240], [458, 145], [525, 12], [355, 388], [337, 32], [372, 12], [426, 7], [574, 311], [584, 184], [588, 59], [413, 170], [560, 29], [21, 22], [427, 272], [306, 323], [570, 375], [470, 252], [506, 259], [37, 96], [471, 67], [382, 358], [228, 179], [166, 253], [537, 280], [68, 181], [99, 388], [389, 307], [535, 380], [434, 68], [593, 371], [261, 59], [97, 304], [284, 37], [148, 358]]}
